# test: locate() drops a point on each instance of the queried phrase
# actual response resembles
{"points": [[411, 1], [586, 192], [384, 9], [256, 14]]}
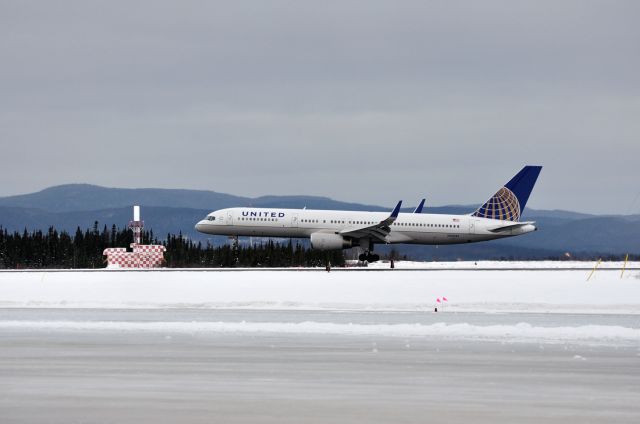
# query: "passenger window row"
{"points": [[315, 221], [410, 224]]}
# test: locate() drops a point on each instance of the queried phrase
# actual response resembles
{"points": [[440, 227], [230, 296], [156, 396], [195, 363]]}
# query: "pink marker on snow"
{"points": [[438, 300], [444, 299]]}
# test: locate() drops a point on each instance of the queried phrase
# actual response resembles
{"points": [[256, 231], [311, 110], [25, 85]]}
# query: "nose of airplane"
{"points": [[200, 226]]}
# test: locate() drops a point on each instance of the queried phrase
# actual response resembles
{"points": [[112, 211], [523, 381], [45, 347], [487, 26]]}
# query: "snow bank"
{"points": [[487, 291], [518, 332]]}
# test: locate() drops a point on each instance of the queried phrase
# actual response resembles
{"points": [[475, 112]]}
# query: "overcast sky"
{"points": [[356, 100]]}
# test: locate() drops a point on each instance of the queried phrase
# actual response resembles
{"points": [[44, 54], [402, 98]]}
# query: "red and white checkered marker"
{"points": [[143, 256]]}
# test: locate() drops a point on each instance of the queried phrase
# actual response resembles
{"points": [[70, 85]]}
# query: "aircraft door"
{"points": [[294, 220], [229, 218], [474, 226]]}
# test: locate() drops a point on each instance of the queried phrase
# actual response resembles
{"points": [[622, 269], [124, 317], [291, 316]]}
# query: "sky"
{"points": [[363, 101]]}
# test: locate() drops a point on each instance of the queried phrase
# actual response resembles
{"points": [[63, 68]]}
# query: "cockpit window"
{"points": [[211, 218]]}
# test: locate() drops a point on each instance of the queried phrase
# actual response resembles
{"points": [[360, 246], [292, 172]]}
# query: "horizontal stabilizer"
{"points": [[510, 227]]}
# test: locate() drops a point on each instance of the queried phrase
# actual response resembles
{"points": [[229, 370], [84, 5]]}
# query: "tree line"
{"points": [[58, 249]]}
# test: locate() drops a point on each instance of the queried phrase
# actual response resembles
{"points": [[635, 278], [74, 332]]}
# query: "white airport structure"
{"points": [[497, 218]]}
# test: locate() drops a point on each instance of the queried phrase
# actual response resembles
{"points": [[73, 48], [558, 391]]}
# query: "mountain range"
{"points": [[174, 211]]}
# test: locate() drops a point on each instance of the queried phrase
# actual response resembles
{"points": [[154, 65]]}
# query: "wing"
{"points": [[378, 231]]}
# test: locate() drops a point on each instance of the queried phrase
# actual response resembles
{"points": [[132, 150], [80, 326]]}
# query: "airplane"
{"points": [[498, 217]]}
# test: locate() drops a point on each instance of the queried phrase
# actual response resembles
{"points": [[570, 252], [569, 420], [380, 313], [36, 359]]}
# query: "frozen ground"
{"points": [[536, 289], [530, 345], [237, 366]]}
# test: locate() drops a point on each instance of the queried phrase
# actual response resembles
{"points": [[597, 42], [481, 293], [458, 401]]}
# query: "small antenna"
{"points": [[136, 225]]}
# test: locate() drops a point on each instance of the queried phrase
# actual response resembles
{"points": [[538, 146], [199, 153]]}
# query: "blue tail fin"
{"points": [[509, 202]]}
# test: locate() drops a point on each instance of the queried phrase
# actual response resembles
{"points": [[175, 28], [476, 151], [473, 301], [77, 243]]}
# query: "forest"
{"points": [[60, 250]]}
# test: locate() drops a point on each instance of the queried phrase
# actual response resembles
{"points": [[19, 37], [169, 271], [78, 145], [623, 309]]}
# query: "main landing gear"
{"points": [[235, 247], [366, 244], [368, 257]]}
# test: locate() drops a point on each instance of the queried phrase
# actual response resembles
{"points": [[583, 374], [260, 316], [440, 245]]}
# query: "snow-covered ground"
{"points": [[517, 338], [524, 332], [487, 290], [505, 265]]}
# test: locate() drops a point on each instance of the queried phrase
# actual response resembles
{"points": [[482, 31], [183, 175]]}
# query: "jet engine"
{"points": [[328, 241]]}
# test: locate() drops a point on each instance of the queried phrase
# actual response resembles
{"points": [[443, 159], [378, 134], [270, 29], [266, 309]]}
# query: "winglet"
{"points": [[420, 207], [394, 215], [396, 210]]}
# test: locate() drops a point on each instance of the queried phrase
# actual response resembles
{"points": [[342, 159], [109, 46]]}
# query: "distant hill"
{"points": [[173, 211], [85, 197]]}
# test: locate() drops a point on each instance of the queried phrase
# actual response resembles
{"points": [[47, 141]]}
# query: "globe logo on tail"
{"points": [[503, 205]]}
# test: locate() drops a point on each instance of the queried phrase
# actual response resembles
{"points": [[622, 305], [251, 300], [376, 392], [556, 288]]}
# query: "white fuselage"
{"points": [[409, 228]]}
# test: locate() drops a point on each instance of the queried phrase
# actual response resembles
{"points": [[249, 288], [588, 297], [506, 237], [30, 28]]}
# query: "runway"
{"points": [[247, 366]]}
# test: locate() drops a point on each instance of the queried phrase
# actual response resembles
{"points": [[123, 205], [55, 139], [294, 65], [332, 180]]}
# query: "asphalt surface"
{"points": [[83, 376]]}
